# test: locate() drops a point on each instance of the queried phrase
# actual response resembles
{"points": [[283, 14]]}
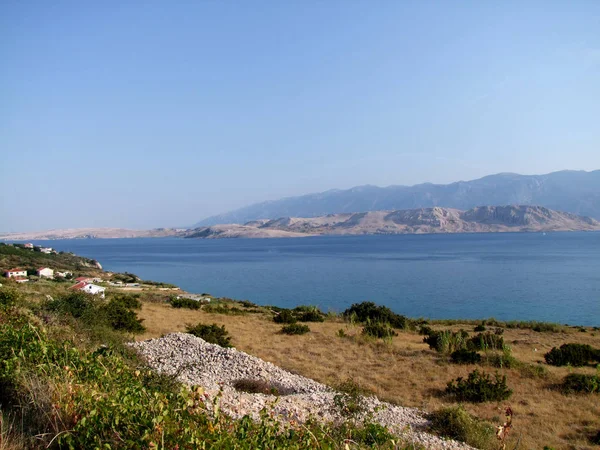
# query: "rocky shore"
{"points": [[196, 362]]}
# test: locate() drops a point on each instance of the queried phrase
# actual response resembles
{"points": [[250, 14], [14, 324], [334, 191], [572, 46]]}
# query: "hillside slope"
{"points": [[576, 192]]}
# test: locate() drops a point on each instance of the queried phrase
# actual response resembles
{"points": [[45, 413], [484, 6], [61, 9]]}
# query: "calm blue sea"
{"points": [[523, 276]]}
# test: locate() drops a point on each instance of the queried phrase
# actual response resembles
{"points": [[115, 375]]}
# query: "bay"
{"points": [[510, 276]]}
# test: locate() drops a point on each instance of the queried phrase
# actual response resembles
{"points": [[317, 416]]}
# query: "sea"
{"points": [[553, 277]]}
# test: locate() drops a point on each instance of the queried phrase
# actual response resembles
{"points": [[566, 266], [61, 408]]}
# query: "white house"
{"points": [[64, 274], [15, 273], [46, 250], [89, 288], [45, 272], [28, 245]]}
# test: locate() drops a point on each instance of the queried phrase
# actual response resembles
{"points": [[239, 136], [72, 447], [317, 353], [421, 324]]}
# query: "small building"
{"points": [[45, 272], [64, 274], [89, 288], [46, 250], [28, 245], [14, 273]]}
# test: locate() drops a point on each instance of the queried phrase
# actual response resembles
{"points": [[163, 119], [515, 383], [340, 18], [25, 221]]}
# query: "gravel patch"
{"points": [[195, 362]]}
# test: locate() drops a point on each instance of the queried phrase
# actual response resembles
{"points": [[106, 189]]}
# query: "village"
{"points": [[89, 284]]}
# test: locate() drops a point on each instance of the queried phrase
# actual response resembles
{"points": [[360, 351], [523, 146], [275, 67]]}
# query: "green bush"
{"points": [[349, 401], [486, 341], [285, 316], [464, 356], [121, 317], [213, 334], [501, 360], [313, 315], [447, 341], [480, 327], [370, 311], [128, 301], [456, 423], [185, 303], [9, 296], [261, 387], [295, 328], [578, 382], [572, 354], [75, 304], [378, 330], [479, 387]]}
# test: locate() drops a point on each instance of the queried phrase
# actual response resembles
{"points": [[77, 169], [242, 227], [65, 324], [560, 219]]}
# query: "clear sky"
{"points": [[159, 113]]}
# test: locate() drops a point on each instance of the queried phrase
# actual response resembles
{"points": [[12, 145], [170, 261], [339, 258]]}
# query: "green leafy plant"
{"points": [[480, 327], [295, 328], [486, 341], [349, 400], [378, 330], [446, 341], [479, 387], [364, 311], [185, 303], [456, 423], [285, 316], [578, 382], [464, 356], [572, 354], [213, 334]]}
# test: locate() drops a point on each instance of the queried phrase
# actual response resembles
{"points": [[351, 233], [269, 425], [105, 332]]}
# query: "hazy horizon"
{"points": [[162, 115]]}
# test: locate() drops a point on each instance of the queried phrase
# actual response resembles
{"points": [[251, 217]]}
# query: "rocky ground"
{"points": [[196, 362]]}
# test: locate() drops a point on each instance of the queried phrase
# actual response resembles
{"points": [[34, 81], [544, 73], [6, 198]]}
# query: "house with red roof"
{"points": [[15, 273], [89, 288]]}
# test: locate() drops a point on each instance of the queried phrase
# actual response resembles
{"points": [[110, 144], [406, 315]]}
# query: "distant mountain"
{"points": [[576, 192], [413, 221], [91, 233]]}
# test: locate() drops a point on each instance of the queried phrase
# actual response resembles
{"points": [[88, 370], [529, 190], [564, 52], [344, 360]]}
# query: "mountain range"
{"points": [[577, 192], [413, 221]]}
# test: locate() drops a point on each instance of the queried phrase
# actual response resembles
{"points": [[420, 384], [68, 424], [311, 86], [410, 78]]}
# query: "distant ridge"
{"points": [[577, 192], [523, 218]]}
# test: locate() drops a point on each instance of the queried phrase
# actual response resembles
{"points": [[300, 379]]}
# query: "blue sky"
{"points": [[146, 114]]}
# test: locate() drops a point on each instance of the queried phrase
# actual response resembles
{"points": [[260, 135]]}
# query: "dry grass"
{"points": [[406, 372]]}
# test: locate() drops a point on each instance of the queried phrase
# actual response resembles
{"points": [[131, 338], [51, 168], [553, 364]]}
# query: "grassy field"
{"points": [[406, 372]]}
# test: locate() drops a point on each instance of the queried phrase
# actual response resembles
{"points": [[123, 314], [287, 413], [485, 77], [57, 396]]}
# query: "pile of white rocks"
{"points": [[197, 363]]}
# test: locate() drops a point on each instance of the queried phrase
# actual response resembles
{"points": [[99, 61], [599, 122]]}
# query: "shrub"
{"points": [[295, 328], [185, 303], [313, 315], [370, 311], [456, 423], [128, 301], [349, 401], [285, 316], [222, 309], [486, 341], [378, 330], [247, 304], [572, 354], [480, 327], [533, 371], [464, 356], [578, 382], [213, 334], [9, 296], [75, 304], [447, 341], [121, 317], [479, 387], [502, 360]]}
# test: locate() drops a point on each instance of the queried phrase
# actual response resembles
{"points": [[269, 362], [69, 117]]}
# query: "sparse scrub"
{"points": [[185, 303], [447, 341], [349, 400], [479, 328], [213, 334], [486, 341], [370, 311], [260, 387], [479, 387], [456, 423], [378, 330], [9, 296], [464, 356], [285, 316], [295, 328], [572, 354], [578, 382]]}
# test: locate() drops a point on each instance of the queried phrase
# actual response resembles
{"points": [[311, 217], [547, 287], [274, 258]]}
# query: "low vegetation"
{"points": [[185, 303], [572, 354], [261, 387], [479, 387], [369, 311], [213, 333], [582, 383], [295, 328], [455, 422]]}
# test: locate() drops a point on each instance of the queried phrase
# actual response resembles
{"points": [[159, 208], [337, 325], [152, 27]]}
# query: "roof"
{"points": [[79, 285], [42, 268], [16, 270]]}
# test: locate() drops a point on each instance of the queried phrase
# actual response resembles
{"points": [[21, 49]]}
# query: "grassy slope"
{"points": [[408, 373], [11, 257]]}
